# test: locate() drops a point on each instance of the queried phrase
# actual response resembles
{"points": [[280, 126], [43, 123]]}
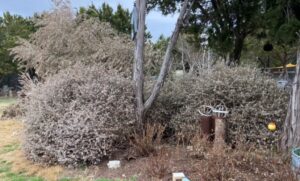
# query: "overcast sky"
{"points": [[157, 24]]}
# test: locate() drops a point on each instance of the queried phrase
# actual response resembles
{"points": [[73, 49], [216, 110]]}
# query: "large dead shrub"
{"points": [[252, 98], [77, 116], [63, 39]]}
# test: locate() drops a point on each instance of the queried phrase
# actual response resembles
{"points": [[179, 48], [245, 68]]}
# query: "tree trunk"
{"points": [[138, 72], [182, 55], [167, 59], [237, 51], [220, 128], [291, 133]]}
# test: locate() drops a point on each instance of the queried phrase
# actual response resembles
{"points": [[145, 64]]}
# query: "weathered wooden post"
{"points": [[291, 133], [220, 112], [220, 129], [207, 125], [215, 120]]}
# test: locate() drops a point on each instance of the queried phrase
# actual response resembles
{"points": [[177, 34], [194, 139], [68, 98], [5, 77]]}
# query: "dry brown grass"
{"points": [[10, 134], [202, 162], [146, 142], [19, 164], [243, 165], [199, 147], [159, 166]]}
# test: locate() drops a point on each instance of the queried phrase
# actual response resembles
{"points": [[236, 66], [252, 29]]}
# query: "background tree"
{"points": [[12, 27], [226, 23], [119, 20], [281, 27], [161, 43]]}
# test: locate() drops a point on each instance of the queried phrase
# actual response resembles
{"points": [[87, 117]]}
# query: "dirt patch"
{"points": [[214, 165], [10, 131]]}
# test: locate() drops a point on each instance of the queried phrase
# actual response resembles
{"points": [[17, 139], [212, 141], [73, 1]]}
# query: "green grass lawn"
{"points": [[7, 101]]}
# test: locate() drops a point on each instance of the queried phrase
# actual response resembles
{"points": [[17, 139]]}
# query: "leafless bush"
{"points": [[252, 98], [12, 111], [198, 58], [146, 142], [244, 165], [159, 165], [77, 116], [199, 147]]}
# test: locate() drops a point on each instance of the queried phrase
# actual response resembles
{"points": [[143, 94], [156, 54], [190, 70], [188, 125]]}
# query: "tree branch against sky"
{"points": [[154, 19]]}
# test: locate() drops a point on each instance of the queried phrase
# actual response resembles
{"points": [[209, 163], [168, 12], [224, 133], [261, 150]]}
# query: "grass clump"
{"points": [[9, 148], [7, 175]]}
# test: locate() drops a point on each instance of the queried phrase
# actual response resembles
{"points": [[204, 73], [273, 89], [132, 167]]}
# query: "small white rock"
{"points": [[114, 164], [190, 148], [179, 73], [178, 176]]}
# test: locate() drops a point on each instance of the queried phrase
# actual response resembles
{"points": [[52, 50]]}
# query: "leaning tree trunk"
{"points": [[138, 72], [167, 59], [291, 134]]}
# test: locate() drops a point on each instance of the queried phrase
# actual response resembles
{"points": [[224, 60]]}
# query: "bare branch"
{"points": [[167, 60]]}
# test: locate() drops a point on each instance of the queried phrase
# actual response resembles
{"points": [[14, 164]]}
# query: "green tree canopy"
{"points": [[226, 23], [282, 21], [11, 28], [119, 19]]}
